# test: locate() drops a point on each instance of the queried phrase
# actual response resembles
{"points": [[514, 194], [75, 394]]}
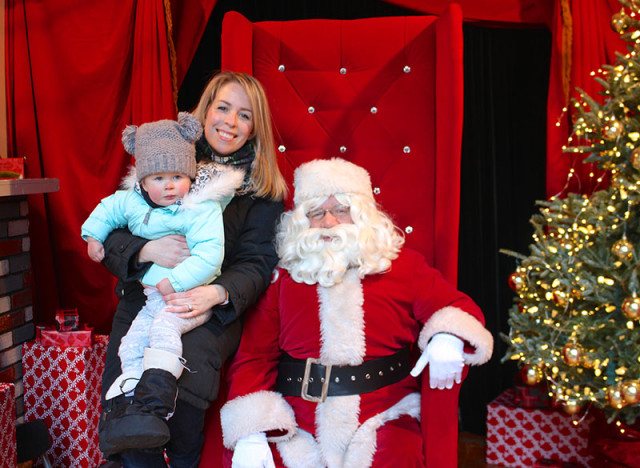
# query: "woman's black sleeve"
{"points": [[121, 255], [252, 260]]}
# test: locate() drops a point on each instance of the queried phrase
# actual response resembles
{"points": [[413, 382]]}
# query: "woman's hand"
{"points": [[196, 301], [168, 251]]}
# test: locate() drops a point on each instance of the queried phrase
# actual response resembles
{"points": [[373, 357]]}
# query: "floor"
{"points": [[471, 452]]}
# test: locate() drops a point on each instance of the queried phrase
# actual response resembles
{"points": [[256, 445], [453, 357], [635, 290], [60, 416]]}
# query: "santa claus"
{"points": [[323, 375]]}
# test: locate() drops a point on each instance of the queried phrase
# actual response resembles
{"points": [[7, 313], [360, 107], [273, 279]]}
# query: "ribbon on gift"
{"points": [[67, 332], [67, 320]]}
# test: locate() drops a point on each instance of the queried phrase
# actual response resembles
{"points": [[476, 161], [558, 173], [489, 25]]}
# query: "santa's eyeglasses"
{"points": [[339, 211]]}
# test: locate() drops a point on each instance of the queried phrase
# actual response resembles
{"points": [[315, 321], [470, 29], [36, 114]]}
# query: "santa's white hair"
{"points": [[369, 244]]}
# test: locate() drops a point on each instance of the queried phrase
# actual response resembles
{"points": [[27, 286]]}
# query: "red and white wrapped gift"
{"points": [[518, 437], [7, 426], [62, 386]]}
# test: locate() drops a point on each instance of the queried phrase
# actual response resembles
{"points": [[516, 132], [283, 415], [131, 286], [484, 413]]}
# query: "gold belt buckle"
{"points": [[305, 382]]}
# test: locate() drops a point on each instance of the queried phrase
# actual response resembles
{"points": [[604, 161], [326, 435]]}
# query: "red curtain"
{"points": [[582, 41], [77, 73]]}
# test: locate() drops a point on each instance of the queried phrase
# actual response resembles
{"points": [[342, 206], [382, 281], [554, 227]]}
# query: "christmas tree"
{"points": [[576, 319]]}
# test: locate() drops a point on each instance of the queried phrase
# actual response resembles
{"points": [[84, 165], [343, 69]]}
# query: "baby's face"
{"points": [[165, 188]]}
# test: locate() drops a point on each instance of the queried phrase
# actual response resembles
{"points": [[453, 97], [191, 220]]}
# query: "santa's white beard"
{"points": [[323, 256]]}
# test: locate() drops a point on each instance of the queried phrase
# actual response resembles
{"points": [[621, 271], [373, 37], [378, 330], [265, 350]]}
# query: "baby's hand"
{"points": [[165, 287], [95, 249]]}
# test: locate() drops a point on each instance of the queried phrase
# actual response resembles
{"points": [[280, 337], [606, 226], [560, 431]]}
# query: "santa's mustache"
{"points": [[335, 239]]}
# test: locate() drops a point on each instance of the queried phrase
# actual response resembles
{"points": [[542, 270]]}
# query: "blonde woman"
{"points": [[236, 119]]}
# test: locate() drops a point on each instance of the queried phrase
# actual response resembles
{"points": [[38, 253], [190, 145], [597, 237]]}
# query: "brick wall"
{"points": [[16, 312]]}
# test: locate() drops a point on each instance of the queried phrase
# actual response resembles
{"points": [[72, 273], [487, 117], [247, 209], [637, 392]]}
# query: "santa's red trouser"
{"points": [[399, 444]]}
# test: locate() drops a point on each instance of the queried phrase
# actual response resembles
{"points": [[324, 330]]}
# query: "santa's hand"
{"points": [[252, 451], [444, 356]]}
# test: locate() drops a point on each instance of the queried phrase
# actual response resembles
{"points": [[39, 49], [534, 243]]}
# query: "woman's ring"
{"points": [[189, 308]]}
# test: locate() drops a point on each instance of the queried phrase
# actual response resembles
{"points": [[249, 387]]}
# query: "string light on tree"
{"points": [[575, 319]]}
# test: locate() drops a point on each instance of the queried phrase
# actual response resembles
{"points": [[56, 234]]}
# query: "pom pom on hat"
{"points": [[164, 145], [326, 177]]}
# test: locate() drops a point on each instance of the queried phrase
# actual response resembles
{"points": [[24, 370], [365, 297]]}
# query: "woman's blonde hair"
{"points": [[266, 178]]}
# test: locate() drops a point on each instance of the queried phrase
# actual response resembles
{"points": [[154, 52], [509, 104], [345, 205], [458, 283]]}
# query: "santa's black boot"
{"points": [[142, 424]]}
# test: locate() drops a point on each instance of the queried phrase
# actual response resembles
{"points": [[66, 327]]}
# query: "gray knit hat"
{"points": [[164, 145]]}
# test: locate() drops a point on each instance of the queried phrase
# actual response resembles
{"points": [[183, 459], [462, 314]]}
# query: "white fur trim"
{"points": [[303, 451], [129, 180], [362, 448], [256, 412], [337, 420], [221, 186], [342, 322], [326, 177], [463, 325]]}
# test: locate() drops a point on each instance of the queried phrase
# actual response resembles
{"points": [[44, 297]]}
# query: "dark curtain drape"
{"points": [[503, 173], [503, 156]]}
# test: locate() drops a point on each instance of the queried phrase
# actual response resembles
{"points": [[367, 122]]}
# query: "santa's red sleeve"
{"points": [[441, 308]]}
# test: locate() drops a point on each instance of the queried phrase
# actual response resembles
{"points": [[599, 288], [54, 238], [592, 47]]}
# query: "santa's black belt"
{"points": [[312, 381]]}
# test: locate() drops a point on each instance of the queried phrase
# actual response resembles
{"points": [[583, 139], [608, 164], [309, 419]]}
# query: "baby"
{"points": [[167, 194]]}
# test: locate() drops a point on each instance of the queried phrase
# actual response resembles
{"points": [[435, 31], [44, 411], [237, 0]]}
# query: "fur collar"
{"points": [[213, 182]]}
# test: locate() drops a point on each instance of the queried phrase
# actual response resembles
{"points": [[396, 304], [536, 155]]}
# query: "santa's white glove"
{"points": [[444, 356], [253, 451]]}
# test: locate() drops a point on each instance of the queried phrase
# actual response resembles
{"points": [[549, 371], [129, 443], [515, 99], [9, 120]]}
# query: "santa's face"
{"points": [[330, 214]]}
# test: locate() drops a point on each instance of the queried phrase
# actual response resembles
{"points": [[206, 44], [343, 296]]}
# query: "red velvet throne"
{"points": [[384, 93]]}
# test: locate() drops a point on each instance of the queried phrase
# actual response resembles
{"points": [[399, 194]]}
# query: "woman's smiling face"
{"points": [[229, 120]]}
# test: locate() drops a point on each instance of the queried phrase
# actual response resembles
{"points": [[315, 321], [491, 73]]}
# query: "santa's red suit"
{"points": [[347, 324]]}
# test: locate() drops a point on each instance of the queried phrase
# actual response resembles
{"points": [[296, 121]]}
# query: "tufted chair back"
{"points": [[386, 94]]}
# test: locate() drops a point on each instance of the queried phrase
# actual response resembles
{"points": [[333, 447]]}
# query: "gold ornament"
{"points": [[631, 392], [532, 375], [620, 22], [614, 396], [517, 282], [631, 307], [560, 298], [571, 406], [612, 130], [635, 158], [572, 354], [588, 360], [623, 249]]}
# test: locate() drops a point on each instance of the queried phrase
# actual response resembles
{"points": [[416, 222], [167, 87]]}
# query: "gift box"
{"points": [[67, 331], [11, 168], [7, 426], [48, 336], [519, 437], [532, 396], [62, 386]]}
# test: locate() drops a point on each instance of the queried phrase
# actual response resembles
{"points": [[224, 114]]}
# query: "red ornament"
{"points": [[531, 375], [517, 282]]}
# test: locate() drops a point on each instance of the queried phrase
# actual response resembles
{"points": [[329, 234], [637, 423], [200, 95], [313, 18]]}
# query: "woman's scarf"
{"points": [[242, 158]]}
